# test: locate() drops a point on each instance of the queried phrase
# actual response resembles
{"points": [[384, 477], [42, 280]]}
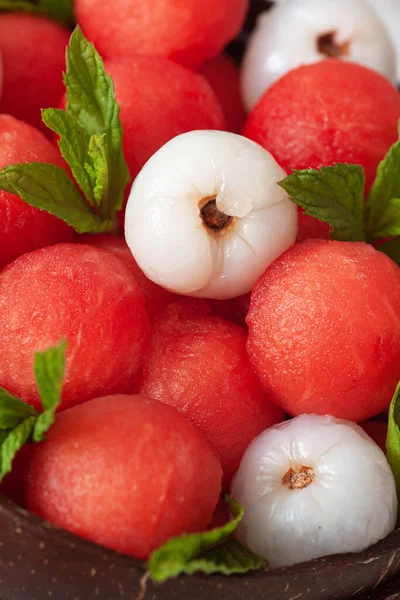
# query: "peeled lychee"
{"points": [[206, 215], [311, 487]]}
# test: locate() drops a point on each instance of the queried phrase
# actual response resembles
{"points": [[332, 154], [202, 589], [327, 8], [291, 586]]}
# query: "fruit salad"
{"points": [[200, 277]]}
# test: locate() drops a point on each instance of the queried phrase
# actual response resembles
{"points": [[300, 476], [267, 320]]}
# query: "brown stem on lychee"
{"points": [[327, 46], [298, 480], [214, 219]]}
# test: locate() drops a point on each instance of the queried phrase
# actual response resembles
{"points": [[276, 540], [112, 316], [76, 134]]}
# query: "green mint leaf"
{"points": [[74, 145], [91, 102], [13, 442], [98, 169], [60, 10], [209, 552], [20, 422], [383, 204], [49, 372], [13, 410], [393, 439], [49, 188], [333, 195]]}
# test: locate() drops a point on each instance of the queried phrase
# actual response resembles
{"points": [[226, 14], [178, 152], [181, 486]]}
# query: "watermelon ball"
{"points": [[159, 100], [188, 32], [298, 33], [22, 227], [313, 486], [157, 298], [222, 74], [85, 295], [336, 110], [126, 472], [33, 50], [197, 363], [324, 329]]}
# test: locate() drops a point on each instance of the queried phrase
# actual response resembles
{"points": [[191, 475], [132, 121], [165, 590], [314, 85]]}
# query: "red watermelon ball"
{"points": [[197, 363], [22, 227], [33, 50], [159, 100], [80, 293], [324, 329], [157, 298], [329, 112], [188, 32], [126, 472], [222, 74]]}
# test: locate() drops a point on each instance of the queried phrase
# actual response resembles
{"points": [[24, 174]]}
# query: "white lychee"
{"points": [[311, 487], [389, 13], [300, 32], [206, 216]]}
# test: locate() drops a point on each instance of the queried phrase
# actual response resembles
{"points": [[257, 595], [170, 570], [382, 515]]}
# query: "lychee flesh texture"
{"points": [[341, 112], [24, 228], [348, 504], [197, 363], [188, 32], [157, 298], [324, 329], [84, 295], [126, 472], [33, 51], [222, 74]]}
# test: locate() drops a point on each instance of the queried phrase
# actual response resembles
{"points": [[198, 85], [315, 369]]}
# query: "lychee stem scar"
{"points": [[298, 480], [213, 218], [327, 45]]}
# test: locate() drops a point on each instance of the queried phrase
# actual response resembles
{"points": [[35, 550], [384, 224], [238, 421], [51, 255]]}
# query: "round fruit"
{"points": [[33, 51], [157, 298], [324, 329], [337, 109], [159, 100], [311, 487], [222, 74], [126, 472], [22, 227], [80, 293], [197, 363], [186, 31], [205, 216], [300, 33]]}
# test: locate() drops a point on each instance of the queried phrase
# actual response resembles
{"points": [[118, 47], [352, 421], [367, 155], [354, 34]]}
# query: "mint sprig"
{"points": [[393, 440], [208, 552], [90, 140], [333, 195], [60, 10], [20, 422], [382, 210]]}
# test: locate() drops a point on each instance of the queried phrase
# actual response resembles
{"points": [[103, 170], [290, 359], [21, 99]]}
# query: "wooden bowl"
{"points": [[38, 562]]}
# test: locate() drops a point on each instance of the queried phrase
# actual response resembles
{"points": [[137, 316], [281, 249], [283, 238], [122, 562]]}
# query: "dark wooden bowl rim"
{"points": [[38, 561]]}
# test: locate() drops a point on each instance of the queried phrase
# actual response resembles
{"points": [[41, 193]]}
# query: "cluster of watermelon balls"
{"points": [[221, 313]]}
